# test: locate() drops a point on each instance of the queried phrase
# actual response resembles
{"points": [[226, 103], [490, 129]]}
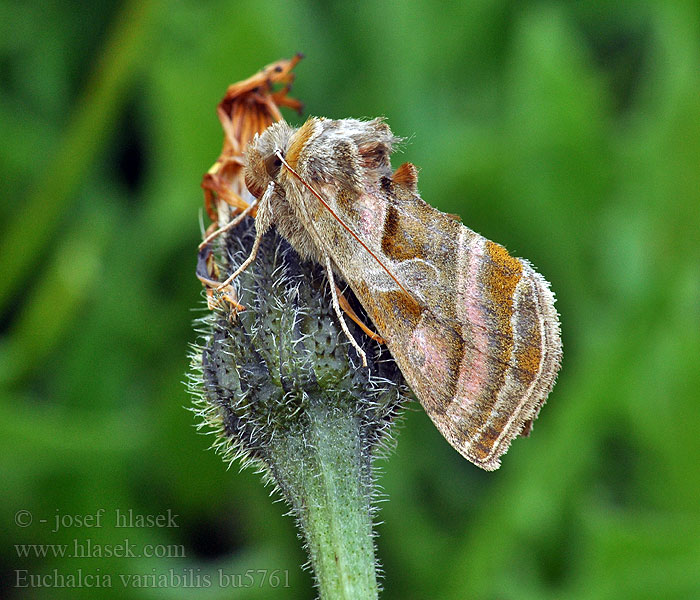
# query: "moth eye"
{"points": [[272, 165], [253, 186]]}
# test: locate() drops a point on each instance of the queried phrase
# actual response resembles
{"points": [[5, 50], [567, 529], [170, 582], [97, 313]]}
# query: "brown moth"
{"points": [[473, 330]]}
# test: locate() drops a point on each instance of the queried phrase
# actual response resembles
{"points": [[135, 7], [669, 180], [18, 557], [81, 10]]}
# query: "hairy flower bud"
{"points": [[265, 367]]}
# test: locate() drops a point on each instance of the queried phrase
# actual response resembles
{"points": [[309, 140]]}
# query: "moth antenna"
{"points": [[345, 226]]}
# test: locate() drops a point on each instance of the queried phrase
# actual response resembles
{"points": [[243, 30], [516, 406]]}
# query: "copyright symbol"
{"points": [[23, 518]]}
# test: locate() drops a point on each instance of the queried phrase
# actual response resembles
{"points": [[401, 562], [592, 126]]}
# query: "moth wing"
{"points": [[476, 336]]}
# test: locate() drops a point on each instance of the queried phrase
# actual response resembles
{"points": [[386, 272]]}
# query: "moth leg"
{"points": [[232, 223], [246, 263], [214, 302], [347, 309], [263, 220], [336, 307], [208, 273]]}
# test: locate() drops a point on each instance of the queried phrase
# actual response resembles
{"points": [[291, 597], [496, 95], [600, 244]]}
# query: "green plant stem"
{"points": [[329, 486]]}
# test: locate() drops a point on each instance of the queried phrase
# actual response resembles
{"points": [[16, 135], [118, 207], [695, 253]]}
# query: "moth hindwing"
{"points": [[473, 330]]}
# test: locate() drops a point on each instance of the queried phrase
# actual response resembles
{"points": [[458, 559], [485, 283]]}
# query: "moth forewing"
{"points": [[473, 330]]}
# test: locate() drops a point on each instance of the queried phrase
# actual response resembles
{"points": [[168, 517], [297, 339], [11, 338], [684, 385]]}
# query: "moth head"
{"points": [[263, 165], [347, 152], [350, 152]]}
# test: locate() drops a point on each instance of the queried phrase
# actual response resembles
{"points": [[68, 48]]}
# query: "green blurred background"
{"points": [[569, 132]]}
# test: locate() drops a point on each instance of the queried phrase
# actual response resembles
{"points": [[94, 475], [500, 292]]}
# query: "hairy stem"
{"points": [[329, 486]]}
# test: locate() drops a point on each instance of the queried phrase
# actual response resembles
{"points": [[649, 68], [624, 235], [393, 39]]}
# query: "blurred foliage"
{"points": [[569, 132]]}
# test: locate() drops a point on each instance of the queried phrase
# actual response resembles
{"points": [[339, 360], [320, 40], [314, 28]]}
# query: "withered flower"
{"points": [[247, 108]]}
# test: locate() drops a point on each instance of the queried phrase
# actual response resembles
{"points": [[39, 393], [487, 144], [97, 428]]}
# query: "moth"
{"points": [[473, 330]]}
